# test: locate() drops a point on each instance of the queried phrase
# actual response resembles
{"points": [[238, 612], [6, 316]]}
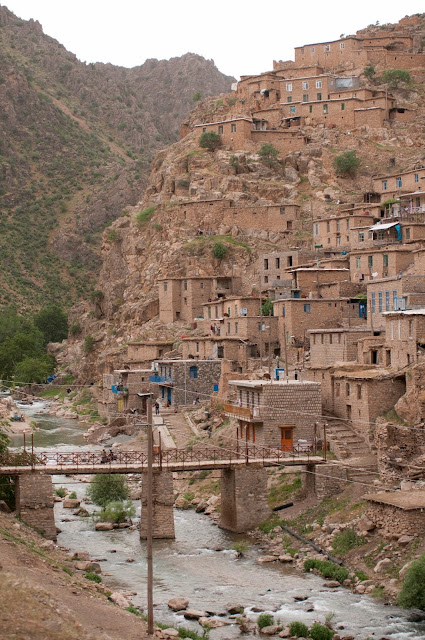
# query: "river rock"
{"points": [[214, 623], [201, 506], [194, 614], [286, 558], [272, 630], [86, 565], [403, 570], [170, 633], [71, 503], [256, 609], [48, 544], [263, 559], [119, 599], [365, 524], [178, 604], [405, 540], [81, 555], [332, 584], [383, 564], [104, 526], [234, 608], [285, 633]]}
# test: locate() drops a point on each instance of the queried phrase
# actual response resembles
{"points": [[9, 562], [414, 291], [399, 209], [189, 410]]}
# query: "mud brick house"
{"points": [[332, 54], [328, 346], [235, 350], [179, 382], [274, 413], [144, 352], [230, 307], [233, 132], [405, 336], [396, 511], [307, 280], [397, 293], [413, 204], [132, 389], [379, 262], [397, 184], [334, 231], [273, 267], [182, 298]]}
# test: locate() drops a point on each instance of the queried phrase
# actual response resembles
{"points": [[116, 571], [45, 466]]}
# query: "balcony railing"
{"points": [[243, 413], [161, 379]]}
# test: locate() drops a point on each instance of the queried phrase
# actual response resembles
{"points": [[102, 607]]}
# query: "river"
{"points": [[201, 566]]}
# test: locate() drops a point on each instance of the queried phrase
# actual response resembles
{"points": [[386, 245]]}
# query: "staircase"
{"points": [[360, 461]]}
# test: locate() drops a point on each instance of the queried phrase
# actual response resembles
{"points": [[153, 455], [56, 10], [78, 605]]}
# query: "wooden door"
{"points": [[286, 438]]}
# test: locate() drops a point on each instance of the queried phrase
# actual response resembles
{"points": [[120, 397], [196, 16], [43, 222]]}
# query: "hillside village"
{"points": [[305, 329]]}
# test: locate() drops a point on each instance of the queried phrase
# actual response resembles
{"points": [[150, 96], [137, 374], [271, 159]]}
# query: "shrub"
{"points": [[240, 548], [347, 164], [73, 495], [327, 569], [107, 488], [197, 96], [412, 594], [117, 511], [209, 140], [144, 216], [346, 540], [61, 492], [320, 632], [75, 329], [268, 154], [266, 308], [135, 610], [369, 72], [219, 250], [94, 577], [396, 77], [265, 620], [89, 343], [298, 629]]}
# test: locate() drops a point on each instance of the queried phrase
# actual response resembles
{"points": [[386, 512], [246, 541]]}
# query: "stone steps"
{"points": [[345, 442]]}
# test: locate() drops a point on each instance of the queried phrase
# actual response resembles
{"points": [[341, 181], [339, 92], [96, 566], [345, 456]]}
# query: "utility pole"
{"points": [[286, 351], [261, 324], [149, 513]]}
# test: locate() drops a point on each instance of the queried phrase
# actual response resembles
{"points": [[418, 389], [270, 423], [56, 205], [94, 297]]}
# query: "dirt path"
{"points": [[178, 428]]}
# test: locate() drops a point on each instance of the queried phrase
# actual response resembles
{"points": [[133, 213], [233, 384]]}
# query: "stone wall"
{"points": [[163, 503], [393, 520], [329, 480], [243, 499], [34, 503], [334, 345], [185, 389]]}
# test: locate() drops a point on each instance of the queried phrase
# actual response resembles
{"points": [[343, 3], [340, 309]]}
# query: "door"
{"points": [[169, 395], [286, 438]]}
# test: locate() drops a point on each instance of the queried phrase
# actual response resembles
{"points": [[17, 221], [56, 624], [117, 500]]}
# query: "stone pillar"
{"points": [[163, 503], [34, 503], [309, 480], [243, 499]]}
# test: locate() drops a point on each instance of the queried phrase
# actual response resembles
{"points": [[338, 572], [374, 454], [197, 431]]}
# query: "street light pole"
{"points": [[149, 513]]}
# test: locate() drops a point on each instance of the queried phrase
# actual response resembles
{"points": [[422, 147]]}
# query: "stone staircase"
{"points": [[345, 442]]}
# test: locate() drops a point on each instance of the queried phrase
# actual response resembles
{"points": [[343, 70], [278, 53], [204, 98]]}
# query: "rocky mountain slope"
{"points": [[76, 143]]}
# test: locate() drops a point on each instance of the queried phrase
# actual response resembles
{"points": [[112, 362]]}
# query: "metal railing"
{"points": [[161, 379], [247, 413]]}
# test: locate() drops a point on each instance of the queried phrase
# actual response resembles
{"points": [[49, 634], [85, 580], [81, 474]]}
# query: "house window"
{"points": [[341, 45], [233, 128], [361, 236], [228, 312], [277, 263], [330, 338], [283, 310], [193, 372], [266, 279], [359, 392], [318, 84], [289, 224], [236, 309], [289, 86], [373, 302], [201, 285], [307, 308], [316, 229], [337, 389], [387, 301], [358, 261], [380, 301], [327, 47], [305, 97], [347, 224], [342, 106], [292, 109], [310, 108], [266, 263], [328, 227], [339, 338], [305, 85], [220, 128], [385, 259], [312, 49], [289, 98], [370, 261], [236, 327], [319, 96], [416, 177], [322, 338], [197, 346], [398, 183], [410, 328], [325, 108], [384, 185], [407, 234], [228, 328], [347, 389], [204, 129], [185, 300], [394, 299], [338, 225]]}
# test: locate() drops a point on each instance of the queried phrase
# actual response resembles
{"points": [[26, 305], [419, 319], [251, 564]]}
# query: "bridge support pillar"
{"points": [[309, 484], [163, 503], [243, 499], [34, 503]]}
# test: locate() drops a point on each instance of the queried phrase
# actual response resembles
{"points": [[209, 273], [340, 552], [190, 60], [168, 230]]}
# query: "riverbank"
{"points": [[8, 409]]}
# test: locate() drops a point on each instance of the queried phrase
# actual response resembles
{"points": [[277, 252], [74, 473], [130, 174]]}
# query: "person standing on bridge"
{"points": [[156, 405]]}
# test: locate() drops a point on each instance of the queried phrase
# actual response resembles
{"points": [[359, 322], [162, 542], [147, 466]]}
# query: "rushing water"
{"points": [[201, 565]]}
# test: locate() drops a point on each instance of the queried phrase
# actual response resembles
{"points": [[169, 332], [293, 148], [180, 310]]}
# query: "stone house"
{"points": [[233, 349], [315, 88], [334, 231], [273, 267], [393, 294], [144, 352], [379, 262], [308, 280], [412, 204], [233, 132], [230, 307], [182, 298], [274, 413], [397, 512], [328, 346], [396, 184], [405, 336], [132, 389], [180, 382], [332, 54]]}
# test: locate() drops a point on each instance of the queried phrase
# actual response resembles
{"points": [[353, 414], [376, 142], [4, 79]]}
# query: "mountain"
{"points": [[76, 144]]}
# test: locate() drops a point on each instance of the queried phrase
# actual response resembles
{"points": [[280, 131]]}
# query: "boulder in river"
{"points": [[272, 630], [213, 623], [71, 503], [178, 604], [194, 614], [263, 559], [104, 526], [234, 608]]}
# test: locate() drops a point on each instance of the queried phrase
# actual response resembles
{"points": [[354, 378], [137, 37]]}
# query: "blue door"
{"points": [[169, 395]]}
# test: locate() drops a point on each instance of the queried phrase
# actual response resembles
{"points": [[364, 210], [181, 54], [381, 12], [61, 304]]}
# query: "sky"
{"points": [[242, 38]]}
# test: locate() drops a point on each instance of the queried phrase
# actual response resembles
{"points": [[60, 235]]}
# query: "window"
{"points": [[201, 285], [341, 45], [220, 128], [292, 109], [312, 49], [373, 301], [384, 185], [338, 225], [339, 338], [229, 312], [193, 372], [266, 263], [337, 389], [387, 301], [410, 328], [305, 97], [318, 96], [316, 229], [394, 299], [197, 346], [283, 310], [289, 224], [277, 263], [185, 300], [358, 263], [310, 109], [416, 177], [359, 392], [330, 338], [233, 128], [228, 328], [165, 286], [236, 309], [342, 106], [380, 301], [266, 279], [209, 312], [289, 98], [236, 327], [307, 308], [305, 85], [325, 108], [385, 260], [328, 227], [361, 236], [392, 329], [204, 129], [347, 388], [370, 261], [289, 86], [398, 183], [327, 47], [407, 234], [318, 84]]}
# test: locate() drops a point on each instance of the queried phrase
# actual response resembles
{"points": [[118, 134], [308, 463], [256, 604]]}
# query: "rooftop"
{"points": [[405, 500], [274, 383]]}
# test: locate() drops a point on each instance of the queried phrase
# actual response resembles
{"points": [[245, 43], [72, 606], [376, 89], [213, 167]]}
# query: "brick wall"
{"points": [[243, 499], [306, 313], [34, 503], [163, 503], [185, 388], [332, 54], [403, 333], [233, 133], [339, 345]]}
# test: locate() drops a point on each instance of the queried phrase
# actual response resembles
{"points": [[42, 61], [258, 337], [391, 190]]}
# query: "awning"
{"points": [[380, 227], [142, 395]]}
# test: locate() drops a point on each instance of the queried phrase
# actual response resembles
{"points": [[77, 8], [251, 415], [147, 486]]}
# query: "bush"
{"points": [[320, 632], [265, 620], [268, 154], [240, 548], [61, 492], [369, 72], [412, 594], [53, 323], [346, 540], [347, 164], [266, 308], [94, 577], [144, 216], [209, 140], [117, 511], [135, 610], [107, 488], [89, 343], [394, 78], [219, 250], [298, 629], [75, 329], [73, 495], [197, 96], [327, 569]]}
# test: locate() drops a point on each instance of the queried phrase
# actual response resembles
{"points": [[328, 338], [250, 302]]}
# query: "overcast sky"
{"points": [[241, 37]]}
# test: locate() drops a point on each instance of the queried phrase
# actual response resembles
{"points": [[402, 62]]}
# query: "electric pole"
{"points": [[149, 513]]}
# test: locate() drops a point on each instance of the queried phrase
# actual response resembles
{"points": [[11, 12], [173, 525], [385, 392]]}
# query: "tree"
{"points": [[266, 308], [35, 369], [369, 72], [412, 594], [117, 511], [13, 350], [107, 488], [347, 164], [219, 250], [209, 140], [268, 154], [197, 96], [396, 77], [53, 323]]}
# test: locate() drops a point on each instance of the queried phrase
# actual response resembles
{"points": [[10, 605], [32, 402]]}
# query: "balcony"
{"points": [[161, 379], [253, 414]]}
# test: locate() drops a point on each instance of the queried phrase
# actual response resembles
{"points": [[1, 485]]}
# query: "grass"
{"points": [[143, 217], [392, 416], [345, 541], [283, 490], [318, 513], [327, 569], [198, 245]]}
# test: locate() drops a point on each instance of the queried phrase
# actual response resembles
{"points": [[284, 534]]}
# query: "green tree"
{"points": [[347, 164], [107, 488], [14, 350], [209, 140], [396, 78], [369, 72], [197, 96], [35, 369], [268, 154], [89, 343], [117, 511], [219, 250], [412, 594], [53, 323], [266, 308]]}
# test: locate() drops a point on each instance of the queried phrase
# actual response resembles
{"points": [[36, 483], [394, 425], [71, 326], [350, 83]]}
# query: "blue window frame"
{"points": [[307, 308], [193, 373], [387, 301], [373, 302], [399, 183], [380, 301]]}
